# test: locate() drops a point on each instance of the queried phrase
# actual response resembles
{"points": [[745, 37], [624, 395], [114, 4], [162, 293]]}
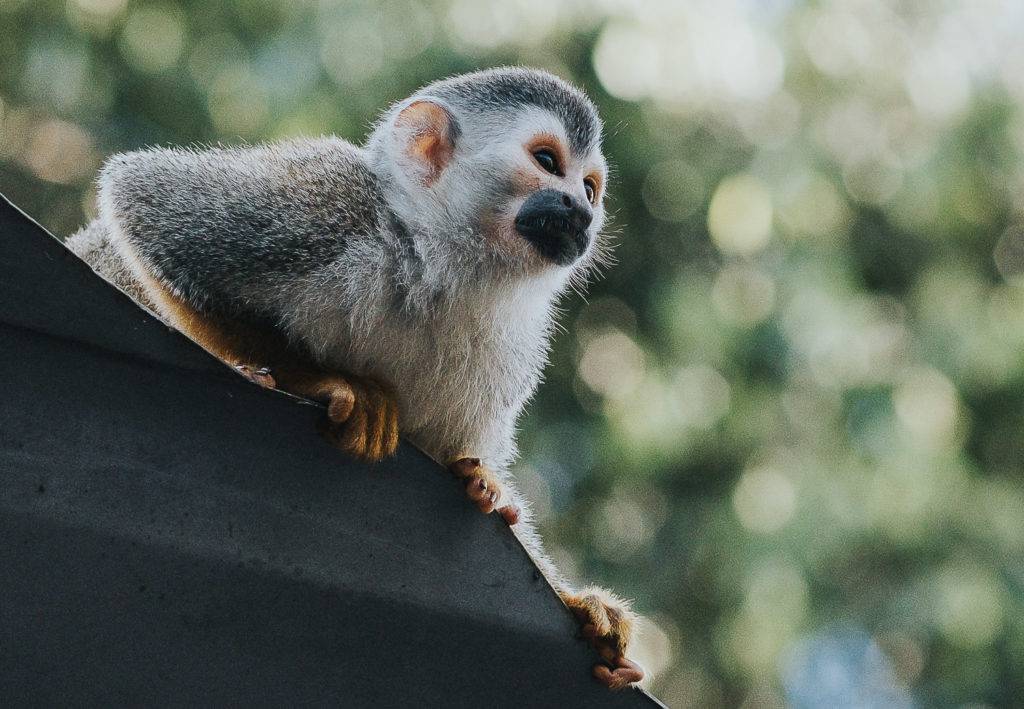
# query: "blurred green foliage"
{"points": [[790, 420]]}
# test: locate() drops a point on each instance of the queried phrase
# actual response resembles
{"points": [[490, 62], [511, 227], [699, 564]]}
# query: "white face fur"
{"points": [[497, 164], [535, 154]]}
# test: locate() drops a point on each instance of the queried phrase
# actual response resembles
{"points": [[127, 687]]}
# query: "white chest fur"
{"points": [[463, 359]]}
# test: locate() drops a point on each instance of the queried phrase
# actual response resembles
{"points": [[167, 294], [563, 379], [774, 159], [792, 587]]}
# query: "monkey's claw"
{"points": [[362, 417], [484, 488], [625, 673], [607, 623], [257, 375]]}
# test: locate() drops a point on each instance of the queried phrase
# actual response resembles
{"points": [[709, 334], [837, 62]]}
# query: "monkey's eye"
{"points": [[546, 159], [591, 190]]}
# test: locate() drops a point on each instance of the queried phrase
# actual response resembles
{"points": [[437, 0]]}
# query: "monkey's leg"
{"points": [[362, 414], [484, 488], [607, 623]]}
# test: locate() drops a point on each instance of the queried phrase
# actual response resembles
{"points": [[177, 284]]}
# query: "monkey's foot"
{"points": [[484, 488], [607, 624], [362, 416], [257, 375]]}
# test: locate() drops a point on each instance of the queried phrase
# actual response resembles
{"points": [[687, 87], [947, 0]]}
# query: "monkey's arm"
{"points": [[224, 243]]}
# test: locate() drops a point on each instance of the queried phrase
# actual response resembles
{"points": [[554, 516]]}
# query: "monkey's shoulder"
{"points": [[212, 223]]}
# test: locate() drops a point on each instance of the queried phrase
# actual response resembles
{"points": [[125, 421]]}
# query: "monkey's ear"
{"points": [[425, 135]]}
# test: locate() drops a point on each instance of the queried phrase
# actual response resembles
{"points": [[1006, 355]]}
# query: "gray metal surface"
{"points": [[171, 535]]}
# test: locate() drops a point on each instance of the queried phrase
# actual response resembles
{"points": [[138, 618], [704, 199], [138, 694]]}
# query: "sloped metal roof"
{"points": [[175, 536]]}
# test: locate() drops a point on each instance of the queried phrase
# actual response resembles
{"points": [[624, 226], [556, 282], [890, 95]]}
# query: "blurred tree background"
{"points": [[790, 420]]}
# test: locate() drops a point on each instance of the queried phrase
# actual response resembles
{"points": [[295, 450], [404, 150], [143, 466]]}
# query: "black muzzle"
{"points": [[555, 223]]}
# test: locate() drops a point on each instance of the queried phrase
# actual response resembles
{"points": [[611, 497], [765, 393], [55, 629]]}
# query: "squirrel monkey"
{"points": [[408, 285]]}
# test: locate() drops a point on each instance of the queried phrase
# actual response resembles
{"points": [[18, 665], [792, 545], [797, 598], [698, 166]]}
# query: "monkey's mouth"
{"points": [[554, 239], [555, 225]]}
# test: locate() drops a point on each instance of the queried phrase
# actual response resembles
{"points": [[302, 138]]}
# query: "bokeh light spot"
{"points": [[937, 82], [764, 500], [743, 295], [57, 74], [627, 61], [101, 7], [612, 365], [653, 646], [489, 25], [627, 520], [774, 605], [1009, 252], [351, 48], [842, 667], [969, 605], [701, 396], [872, 181], [96, 16], [927, 404], [238, 103], [61, 152], [740, 215], [153, 38], [673, 190], [686, 56], [836, 41], [812, 209]]}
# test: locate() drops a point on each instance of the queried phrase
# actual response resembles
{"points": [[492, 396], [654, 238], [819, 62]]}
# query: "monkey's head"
{"points": [[503, 165]]}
